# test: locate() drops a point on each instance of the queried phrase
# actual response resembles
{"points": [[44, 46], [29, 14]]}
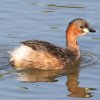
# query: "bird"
{"points": [[47, 56]]}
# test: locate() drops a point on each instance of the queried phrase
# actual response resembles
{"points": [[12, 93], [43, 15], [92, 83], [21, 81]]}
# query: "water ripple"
{"points": [[89, 59], [62, 6]]}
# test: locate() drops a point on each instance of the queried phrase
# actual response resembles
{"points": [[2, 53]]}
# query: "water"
{"points": [[47, 20]]}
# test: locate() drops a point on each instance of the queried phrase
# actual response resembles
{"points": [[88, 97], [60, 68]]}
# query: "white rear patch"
{"points": [[21, 52]]}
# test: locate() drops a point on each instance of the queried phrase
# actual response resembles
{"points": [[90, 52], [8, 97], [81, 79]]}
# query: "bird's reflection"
{"points": [[36, 75], [73, 83], [72, 73]]}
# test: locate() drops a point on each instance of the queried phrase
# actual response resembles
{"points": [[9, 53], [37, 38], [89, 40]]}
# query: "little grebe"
{"points": [[44, 55]]}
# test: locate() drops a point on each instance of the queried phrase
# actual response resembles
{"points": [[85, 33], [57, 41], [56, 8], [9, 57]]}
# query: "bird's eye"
{"points": [[81, 26]]}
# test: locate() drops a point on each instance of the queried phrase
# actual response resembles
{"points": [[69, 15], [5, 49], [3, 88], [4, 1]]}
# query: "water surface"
{"points": [[47, 20]]}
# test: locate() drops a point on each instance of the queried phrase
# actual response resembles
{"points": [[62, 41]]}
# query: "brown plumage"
{"points": [[44, 55]]}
